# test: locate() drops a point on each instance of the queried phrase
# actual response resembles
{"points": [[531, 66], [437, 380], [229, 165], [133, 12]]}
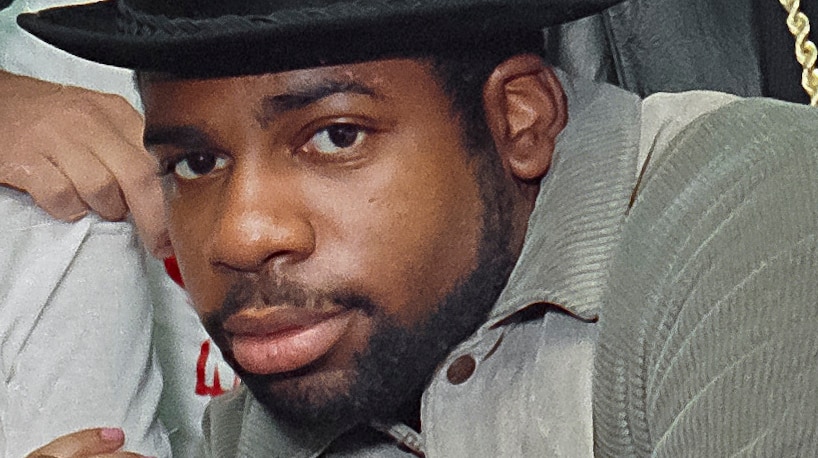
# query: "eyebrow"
{"points": [[276, 105], [184, 137], [190, 137]]}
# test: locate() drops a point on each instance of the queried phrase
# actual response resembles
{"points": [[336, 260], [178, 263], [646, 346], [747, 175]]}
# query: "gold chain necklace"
{"points": [[805, 50]]}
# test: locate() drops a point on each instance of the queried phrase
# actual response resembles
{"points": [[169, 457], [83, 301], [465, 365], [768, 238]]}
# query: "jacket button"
{"points": [[461, 369]]}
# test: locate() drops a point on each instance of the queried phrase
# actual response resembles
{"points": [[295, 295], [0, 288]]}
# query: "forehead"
{"points": [[396, 79]]}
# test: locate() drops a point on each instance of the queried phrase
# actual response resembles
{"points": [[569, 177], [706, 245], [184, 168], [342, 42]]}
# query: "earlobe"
{"points": [[526, 110]]}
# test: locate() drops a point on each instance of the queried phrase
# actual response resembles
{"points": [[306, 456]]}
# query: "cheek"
{"points": [[190, 228], [409, 235], [433, 241]]}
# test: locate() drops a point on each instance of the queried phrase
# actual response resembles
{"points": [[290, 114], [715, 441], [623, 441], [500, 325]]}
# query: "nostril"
{"points": [[250, 242]]}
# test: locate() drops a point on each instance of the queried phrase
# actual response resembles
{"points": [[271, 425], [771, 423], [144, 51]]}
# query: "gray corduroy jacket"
{"points": [[703, 286]]}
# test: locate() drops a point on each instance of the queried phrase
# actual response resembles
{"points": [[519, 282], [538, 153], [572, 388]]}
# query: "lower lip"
{"points": [[290, 350]]}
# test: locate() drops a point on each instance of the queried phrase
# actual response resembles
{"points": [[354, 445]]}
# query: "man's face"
{"points": [[331, 229]]}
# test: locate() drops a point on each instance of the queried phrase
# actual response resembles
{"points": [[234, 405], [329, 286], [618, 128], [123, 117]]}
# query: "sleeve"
{"points": [[75, 331], [708, 343]]}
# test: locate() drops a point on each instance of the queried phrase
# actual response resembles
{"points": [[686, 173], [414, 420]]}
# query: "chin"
{"points": [[318, 397]]}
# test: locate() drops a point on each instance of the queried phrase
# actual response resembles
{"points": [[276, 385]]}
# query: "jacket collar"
{"points": [[576, 223]]}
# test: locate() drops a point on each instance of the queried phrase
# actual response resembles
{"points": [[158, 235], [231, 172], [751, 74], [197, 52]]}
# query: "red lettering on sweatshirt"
{"points": [[202, 388], [172, 268]]}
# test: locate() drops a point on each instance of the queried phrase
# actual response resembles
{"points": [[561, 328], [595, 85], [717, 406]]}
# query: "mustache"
{"points": [[268, 291]]}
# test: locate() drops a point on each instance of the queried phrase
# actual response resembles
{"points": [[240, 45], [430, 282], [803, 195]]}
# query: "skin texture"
{"points": [[274, 221], [381, 233]]}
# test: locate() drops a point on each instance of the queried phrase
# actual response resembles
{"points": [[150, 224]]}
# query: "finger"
{"points": [[94, 183], [143, 194], [48, 186], [84, 443], [142, 189], [129, 121], [136, 172], [104, 455], [119, 455]]}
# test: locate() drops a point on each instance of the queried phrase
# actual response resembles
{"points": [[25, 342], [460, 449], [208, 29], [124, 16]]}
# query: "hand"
{"points": [[75, 150], [89, 443]]}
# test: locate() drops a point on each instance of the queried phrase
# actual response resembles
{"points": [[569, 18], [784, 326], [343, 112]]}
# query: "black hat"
{"points": [[220, 37]]}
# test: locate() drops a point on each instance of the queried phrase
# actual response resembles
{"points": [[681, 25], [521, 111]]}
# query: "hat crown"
{"points": [[214, 8], [236, 37], [207, 9]]}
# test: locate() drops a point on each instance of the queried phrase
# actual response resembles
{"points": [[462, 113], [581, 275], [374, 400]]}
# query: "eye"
{"points": [[336, 138], [196, 165]]}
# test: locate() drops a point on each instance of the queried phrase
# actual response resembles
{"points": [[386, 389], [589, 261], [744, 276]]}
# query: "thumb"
{"points": [[83, 443]]}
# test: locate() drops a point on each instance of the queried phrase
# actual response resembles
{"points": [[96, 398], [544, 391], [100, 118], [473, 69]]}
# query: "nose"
{"points": [[262, 223]]}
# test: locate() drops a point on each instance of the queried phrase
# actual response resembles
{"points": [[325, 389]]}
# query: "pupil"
{"points": [[201, 164], [343, 136]]}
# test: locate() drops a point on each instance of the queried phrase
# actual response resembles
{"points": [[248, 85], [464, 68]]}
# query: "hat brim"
{"points": [[92, 31]]}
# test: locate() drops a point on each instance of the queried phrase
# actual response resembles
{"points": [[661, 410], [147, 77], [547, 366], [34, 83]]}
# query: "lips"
{"points": [[284, 338]]}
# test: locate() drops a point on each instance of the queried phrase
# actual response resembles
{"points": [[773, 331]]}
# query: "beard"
{"points": [[390, 375]]}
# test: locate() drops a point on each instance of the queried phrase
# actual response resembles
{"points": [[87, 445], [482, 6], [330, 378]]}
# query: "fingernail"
{"points": [[78, 216], [161, 247], [112, 434]]}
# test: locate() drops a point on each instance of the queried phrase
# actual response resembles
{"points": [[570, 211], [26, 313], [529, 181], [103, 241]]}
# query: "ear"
{"points": [[525, 109]]}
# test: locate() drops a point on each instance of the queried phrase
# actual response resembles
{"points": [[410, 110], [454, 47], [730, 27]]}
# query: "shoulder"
{"points": [[731, 141], [707, 344], [665, 115]]}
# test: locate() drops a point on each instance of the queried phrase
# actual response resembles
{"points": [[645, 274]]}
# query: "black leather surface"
{"points": [[666, 45], [673, 45]]}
